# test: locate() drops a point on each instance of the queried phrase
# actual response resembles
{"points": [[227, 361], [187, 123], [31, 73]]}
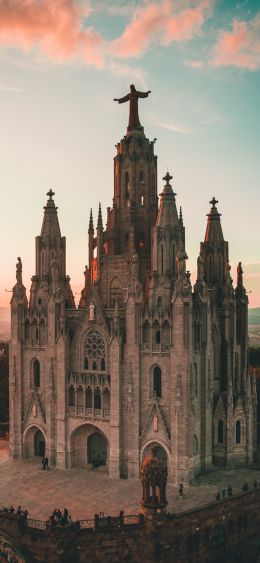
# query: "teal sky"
{"points": [[61, 64]]}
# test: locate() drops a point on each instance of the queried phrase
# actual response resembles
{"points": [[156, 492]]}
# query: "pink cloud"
{"points": [[239, 47], [162, 22], [53, 26]]}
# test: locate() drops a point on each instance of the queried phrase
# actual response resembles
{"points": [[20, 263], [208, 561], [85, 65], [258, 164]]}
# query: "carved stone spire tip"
{"points": [[214, 201], [50, 194]]}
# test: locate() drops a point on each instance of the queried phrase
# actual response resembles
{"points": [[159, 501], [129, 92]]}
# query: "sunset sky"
{"points": [[61, 64]]}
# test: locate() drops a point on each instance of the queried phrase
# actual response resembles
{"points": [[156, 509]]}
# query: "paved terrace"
{"points": [[86, 492]]}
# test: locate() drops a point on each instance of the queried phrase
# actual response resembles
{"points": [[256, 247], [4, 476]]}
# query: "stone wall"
{"points": [[213, 533]]}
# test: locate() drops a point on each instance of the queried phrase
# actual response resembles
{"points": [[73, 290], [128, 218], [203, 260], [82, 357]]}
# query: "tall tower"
{"points": [[134, 209]]}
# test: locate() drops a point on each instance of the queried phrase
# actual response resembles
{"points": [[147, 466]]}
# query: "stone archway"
{"points": [[39, 444], [97, 449], [34, 442], [89, 446], [159, 451]]}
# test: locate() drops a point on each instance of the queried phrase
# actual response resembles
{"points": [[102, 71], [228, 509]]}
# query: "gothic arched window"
{"points": [[220, 432], [166, 333], [106, 399], [88, 398], [126, 185], [36, 373], [42, 332], [97, 399], [94, 350], [162, 260], [146, 333], [115, 291], [27, 329], [238, 432], [195, 380], [173, 259], [195, 445], [157, 382], [71, 396]]}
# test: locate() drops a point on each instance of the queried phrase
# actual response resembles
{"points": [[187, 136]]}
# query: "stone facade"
{"points": [[145, 359]]}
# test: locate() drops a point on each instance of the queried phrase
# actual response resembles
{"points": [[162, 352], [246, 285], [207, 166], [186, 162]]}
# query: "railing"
{"points": [[98, 523], [156, 347], [36, 524], [88, 412]]}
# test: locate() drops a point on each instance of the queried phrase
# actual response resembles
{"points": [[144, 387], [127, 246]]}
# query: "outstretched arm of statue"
{"points": [[143, 94], [122, 100]]}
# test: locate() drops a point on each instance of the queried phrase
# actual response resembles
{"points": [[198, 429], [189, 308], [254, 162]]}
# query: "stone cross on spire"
{"points": [[132, 97], [167, 178], [50, 193], [213, 201]]}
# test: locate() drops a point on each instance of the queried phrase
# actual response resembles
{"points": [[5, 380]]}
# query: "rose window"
{"points": [[94, 346]]}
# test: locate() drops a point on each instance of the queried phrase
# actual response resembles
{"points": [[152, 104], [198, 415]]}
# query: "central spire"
{"points": [[134, 122]]}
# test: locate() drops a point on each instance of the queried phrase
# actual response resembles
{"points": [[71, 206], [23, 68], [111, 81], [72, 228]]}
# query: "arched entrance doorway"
{"points": [[34, 442], [89, 446], [159, 451], [97, 449], [39, 444]]}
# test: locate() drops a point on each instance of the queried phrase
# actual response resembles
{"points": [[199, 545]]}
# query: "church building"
{"points": [[145, 360]]}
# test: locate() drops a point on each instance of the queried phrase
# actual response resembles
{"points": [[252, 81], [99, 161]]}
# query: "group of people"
{"points": [[59, 519], [45, 462], [18, 511], [246, 487], [224, 493], [228, 491]]}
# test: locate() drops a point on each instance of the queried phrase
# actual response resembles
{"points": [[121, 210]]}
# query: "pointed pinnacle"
{"points": [[90, 226], [181, 218], [100, 221]]}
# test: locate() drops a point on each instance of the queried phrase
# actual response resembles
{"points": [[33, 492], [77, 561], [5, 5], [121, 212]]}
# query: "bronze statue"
{"points": [[239, 274], [19, 268], [132, 97]]}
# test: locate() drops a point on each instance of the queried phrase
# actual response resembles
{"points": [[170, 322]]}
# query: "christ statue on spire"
{"points": [[132, 97]]}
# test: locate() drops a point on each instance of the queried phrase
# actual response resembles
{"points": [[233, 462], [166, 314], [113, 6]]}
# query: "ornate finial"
{"points": [[181, 218], [213, 201], [100, 221], [19, 268], [167, 178], [239, 274], [90, 225], [50, 193]]}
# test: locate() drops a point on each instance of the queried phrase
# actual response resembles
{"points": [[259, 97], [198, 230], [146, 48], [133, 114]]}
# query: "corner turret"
{"points": [[214, 249]]}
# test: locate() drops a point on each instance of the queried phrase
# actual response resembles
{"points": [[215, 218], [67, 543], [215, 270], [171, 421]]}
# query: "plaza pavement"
{"points": [[86, 492]]}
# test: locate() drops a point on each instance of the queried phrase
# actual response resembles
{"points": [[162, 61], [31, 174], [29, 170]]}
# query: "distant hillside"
{"points": [[254, 316], [5, 323]]}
